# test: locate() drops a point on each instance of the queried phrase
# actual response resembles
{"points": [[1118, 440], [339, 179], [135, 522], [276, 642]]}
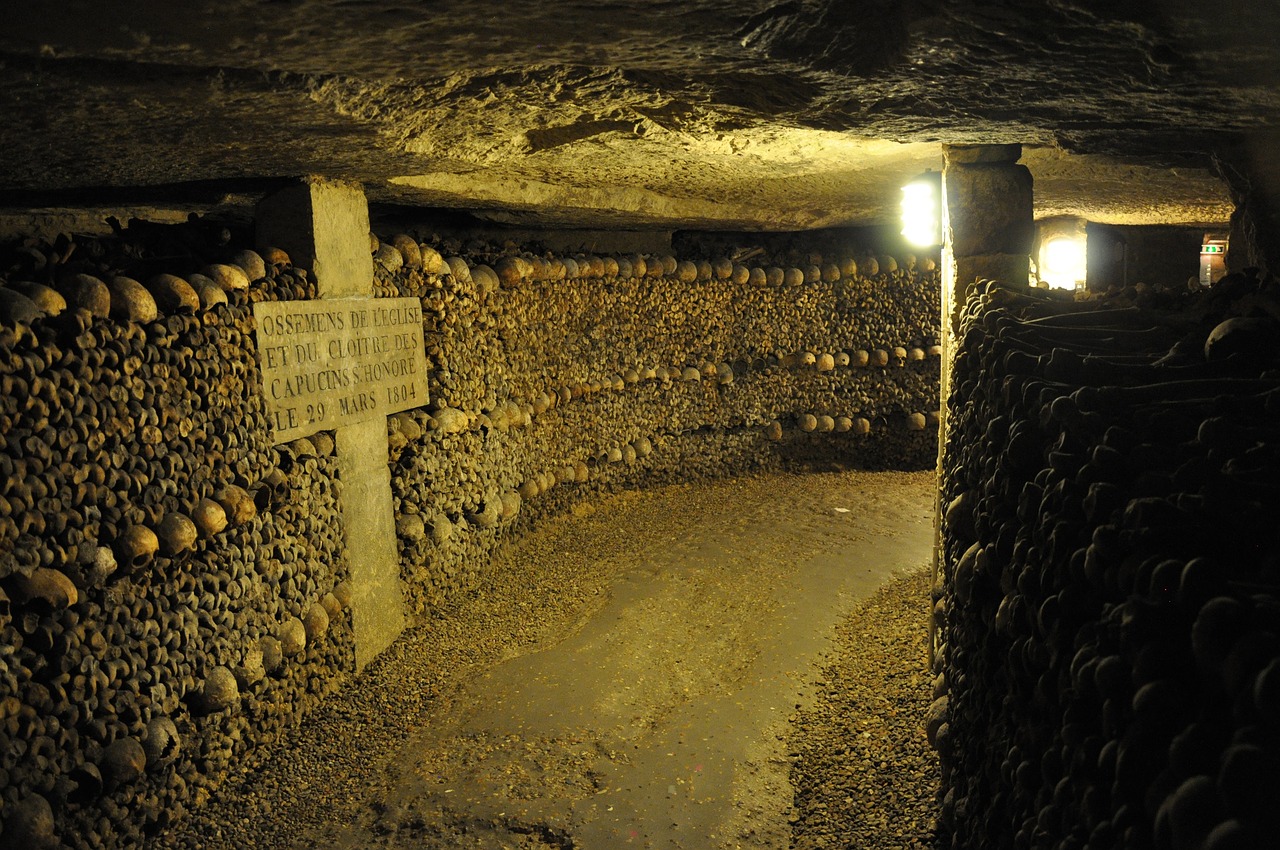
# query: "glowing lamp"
{"points": [[1063, 262], [922, 210]]}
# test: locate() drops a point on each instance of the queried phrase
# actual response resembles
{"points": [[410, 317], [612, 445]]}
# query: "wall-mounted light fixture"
{"points": [[1063, 263], [922, 210], [1062, 259]]}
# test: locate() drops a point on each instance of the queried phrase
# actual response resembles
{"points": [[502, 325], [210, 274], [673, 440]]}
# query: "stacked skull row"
{"points": [[172, 586], [557, 378], [1109, 607]]}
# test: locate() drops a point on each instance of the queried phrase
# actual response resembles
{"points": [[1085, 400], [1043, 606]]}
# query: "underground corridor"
{"points": [[636, 689], [724, 425]]}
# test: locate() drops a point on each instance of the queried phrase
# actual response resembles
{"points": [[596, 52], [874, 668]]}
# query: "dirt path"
{"points": [[648, 705]]}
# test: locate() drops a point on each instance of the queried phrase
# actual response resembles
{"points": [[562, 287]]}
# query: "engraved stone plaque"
{"points": [[337, 361]]}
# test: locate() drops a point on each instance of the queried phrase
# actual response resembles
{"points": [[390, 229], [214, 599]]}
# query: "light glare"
{"points": [[1063, 262], [920, 214]]}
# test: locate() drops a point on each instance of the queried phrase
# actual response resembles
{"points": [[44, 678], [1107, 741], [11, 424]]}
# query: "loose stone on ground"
{"points": [[629, 675], [864, 774]]}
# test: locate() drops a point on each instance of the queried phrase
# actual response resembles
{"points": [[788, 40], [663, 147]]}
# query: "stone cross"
{"points": [[324, 226]]}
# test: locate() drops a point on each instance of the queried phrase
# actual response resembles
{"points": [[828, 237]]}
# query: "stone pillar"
{"points": [[988, 226], [987, 223], [324, 226]]}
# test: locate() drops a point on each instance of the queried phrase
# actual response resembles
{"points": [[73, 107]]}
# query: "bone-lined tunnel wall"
{"points": [[173, 586], [558, 379], [1108, 605], [174, 593]]}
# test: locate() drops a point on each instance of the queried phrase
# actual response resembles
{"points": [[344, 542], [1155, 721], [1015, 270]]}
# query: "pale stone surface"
{"points": [[324, 226], [990, 209], [961, 274], [377, 607], [581, 683], [335, 361], [976, 154]]}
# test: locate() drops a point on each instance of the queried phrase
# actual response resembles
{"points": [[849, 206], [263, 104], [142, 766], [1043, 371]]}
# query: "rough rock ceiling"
{"points": [[698, 113]]}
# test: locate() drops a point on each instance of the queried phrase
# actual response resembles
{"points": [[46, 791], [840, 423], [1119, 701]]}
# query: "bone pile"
{"points": [[1109, 605], [171, 585], [174, 588], [556, 378]]}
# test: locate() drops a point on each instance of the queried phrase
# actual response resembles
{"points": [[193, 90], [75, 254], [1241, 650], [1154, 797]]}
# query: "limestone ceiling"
{"points": [[738, 114]]}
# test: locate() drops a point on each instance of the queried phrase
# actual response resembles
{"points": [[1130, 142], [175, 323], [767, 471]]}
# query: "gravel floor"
{"points": [[864, 775], [379, 764]]}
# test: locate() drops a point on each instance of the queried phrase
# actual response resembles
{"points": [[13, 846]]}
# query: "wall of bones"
{"points": [[173, 587], [1109, 604], [556, 379]]}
